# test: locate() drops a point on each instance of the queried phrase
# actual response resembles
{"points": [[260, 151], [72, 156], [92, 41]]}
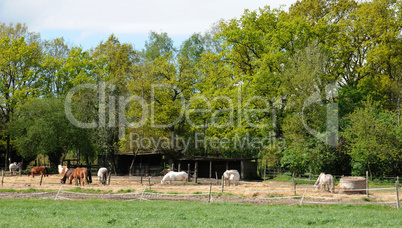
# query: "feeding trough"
{"points": [[352, 185]]}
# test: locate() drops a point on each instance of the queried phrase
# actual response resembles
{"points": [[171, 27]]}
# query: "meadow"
{"points": [[92, 213]]}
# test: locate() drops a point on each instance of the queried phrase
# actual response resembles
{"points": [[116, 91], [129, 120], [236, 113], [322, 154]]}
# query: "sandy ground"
{"points": [[131, 188]]}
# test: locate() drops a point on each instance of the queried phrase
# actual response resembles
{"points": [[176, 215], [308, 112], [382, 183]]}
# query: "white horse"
{"points": [[325, 182], [231, 176], [62, 169], [174, 176], [102, 175], [14, 167]]}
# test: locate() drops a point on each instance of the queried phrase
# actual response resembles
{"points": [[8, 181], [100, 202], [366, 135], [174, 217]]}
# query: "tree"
{"points": [[372, 140], [43, 128], [20, 58], [116, 66], [55, 79]]}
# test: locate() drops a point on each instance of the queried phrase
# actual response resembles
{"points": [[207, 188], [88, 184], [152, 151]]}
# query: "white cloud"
{"points": [[176, 17]]}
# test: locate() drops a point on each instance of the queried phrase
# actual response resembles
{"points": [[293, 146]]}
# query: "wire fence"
{"points": [[214, 191], [208, 194]]}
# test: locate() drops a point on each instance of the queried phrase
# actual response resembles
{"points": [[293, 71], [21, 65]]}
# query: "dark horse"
{"points": [[82, 174], [67, 175], [38, 170]]}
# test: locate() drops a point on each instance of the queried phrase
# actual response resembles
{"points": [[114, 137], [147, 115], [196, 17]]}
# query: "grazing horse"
{"points": [[66, 175], [82, 174], [325, 182], [38, 170], [231, 176], [102, 175], [62, 169], [174, 176], [13, 167]]}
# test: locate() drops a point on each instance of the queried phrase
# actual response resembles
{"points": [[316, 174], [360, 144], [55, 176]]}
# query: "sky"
{"points": [[88, 22]]}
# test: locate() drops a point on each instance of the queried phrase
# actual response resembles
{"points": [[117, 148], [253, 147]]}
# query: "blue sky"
{"points": [[87, 22]]}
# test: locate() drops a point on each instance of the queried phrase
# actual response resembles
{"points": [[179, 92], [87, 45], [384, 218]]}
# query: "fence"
{"points": [[248, 192], [272, 173]]}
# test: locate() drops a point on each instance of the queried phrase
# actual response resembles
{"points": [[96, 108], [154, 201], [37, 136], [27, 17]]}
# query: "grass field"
{"points": [[98, 213]]}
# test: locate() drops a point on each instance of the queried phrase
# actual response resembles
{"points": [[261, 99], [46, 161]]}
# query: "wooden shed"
{"points": [[210, 167]]}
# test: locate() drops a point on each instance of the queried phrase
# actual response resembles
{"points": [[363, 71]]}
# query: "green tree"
{"points": [[20, 58], [56, 81], [43, 128], [116, 65], [372, 140]]}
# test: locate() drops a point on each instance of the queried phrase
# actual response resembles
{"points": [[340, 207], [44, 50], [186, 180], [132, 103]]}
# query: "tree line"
{"points": [[315, 87]]}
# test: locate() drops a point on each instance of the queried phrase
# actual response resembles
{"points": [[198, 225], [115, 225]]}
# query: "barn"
{"points": [[152, 162]]}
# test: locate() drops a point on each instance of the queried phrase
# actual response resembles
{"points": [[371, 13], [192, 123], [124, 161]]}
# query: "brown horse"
{"points": [[82, 174], [38, 170], [66, 175]]}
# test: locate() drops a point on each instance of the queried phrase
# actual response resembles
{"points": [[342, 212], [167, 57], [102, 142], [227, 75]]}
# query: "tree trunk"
{"points": [[132, 162], [8, 152], [371, 175], [399, 111]]}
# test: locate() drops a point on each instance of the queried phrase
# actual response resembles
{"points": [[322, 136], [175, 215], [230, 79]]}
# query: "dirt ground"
{"points": [[131, 188]]}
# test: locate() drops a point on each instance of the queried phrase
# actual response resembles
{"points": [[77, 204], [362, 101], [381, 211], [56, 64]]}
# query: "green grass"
{"points": [[298, 180], [151, 191], [376, 183], [275, 195], [173, 193], [88, 190], [26, 190], [362, 199], [98, 213], [125, 191]]}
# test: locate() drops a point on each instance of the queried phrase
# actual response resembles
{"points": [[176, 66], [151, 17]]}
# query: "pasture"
{"points": [[131, 188], [91, 213]]}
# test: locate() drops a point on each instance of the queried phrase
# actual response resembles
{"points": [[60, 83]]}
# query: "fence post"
{"points": [[301, 201], [265, 171], [178, 167], [149, 182], [223, 183], [2, 177], [76, 180], [397, 194], [20, 168], [141, 175], [216, 176], [210, 189], [242, 169], [189, 171], [294, 182], [110, 174], [57, 195], [210, 169], [309, 175], [41, 177], [196, 172], [172, 166], [367, 186]]}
